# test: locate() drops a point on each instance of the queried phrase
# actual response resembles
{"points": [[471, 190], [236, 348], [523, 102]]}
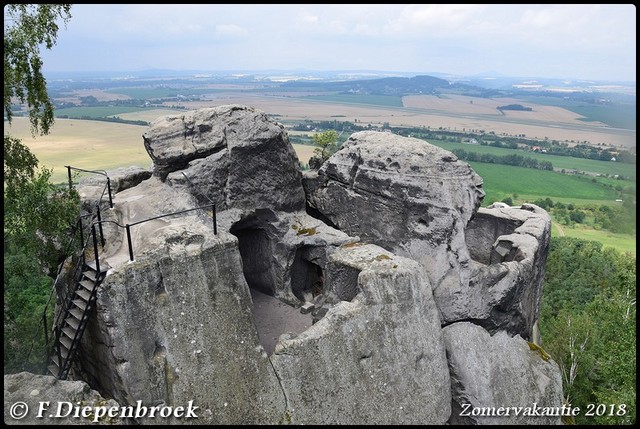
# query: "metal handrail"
{"points": [[102, 172], [129, 225], [84, 242]]}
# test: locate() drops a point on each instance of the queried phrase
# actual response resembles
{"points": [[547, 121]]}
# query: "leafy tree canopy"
{"points": [[588, 326], [27, 27], [326, 145], [37, 215]]}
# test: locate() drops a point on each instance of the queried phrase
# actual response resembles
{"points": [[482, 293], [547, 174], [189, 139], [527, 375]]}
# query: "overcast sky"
{"points": [[593, 42]]}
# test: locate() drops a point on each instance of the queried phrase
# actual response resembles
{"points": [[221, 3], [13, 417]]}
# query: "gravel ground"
{"points": [[273, 318]]}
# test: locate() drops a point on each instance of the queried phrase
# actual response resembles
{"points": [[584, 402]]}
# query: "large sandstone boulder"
{"points": [[499, 371], [509, 248], [410, 197], [233, 156], [392, 246], [175, 325]]}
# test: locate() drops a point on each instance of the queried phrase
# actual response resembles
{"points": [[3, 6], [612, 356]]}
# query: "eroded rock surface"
{"points": [[376, 358], [420, 201]]}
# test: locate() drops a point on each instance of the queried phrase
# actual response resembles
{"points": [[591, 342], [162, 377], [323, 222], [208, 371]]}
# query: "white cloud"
{"points": [[434, 19], [231, 31], [309, 19]]}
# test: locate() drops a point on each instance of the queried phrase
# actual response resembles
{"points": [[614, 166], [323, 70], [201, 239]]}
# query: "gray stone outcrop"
{"points": [[509, 248], [233, 156], [175, 325], [410, 197], [420, 201], [376, 357], [94, 187], [64, 398], [490, 372]]}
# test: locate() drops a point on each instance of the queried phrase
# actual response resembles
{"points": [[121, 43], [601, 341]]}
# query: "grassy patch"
{"points": [[620, 242], [501, 181], [616, 115], [566, 162]]}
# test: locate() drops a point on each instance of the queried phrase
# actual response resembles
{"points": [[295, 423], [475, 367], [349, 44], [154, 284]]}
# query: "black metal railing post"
{"points": [[59, 353], [215, 222], [69, 174], [100, 225], [81, 232], [110, 197], [95, 247], [46, 335], [129, 242]]}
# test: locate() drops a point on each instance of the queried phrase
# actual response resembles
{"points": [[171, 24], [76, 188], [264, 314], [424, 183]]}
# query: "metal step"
{"points": [[73, 322], [54, 370], [81, 304], [69, 332], [64, 352], [84, 294], [90, 275], [88, 285], [54, 360], [104, 267], [76, 313], [66, 341]]}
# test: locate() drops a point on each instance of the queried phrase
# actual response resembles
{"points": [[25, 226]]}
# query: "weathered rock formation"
{"points": [[231, 156], [380, 342], [45, 396], [420, 201], [411, 198], [480, 364], [407, 285]]}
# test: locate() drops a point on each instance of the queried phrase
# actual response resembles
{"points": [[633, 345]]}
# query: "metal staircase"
{"points": [[68, 332], [75, 308]]}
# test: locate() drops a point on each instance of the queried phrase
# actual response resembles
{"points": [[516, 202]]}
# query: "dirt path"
{"points": [[560, 230]]}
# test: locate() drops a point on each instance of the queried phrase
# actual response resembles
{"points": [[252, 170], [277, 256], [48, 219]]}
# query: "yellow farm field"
{"points": [[99, 94], [93, 145]]}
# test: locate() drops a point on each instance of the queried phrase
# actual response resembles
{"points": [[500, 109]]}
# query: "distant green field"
{"points": [[372, 100], [95, 111], [161, 92], [501, 181], [618, 116], [621, 242], [566, 162]]}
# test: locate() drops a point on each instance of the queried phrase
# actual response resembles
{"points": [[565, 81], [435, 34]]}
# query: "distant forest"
{"points": [[515, 107]]}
